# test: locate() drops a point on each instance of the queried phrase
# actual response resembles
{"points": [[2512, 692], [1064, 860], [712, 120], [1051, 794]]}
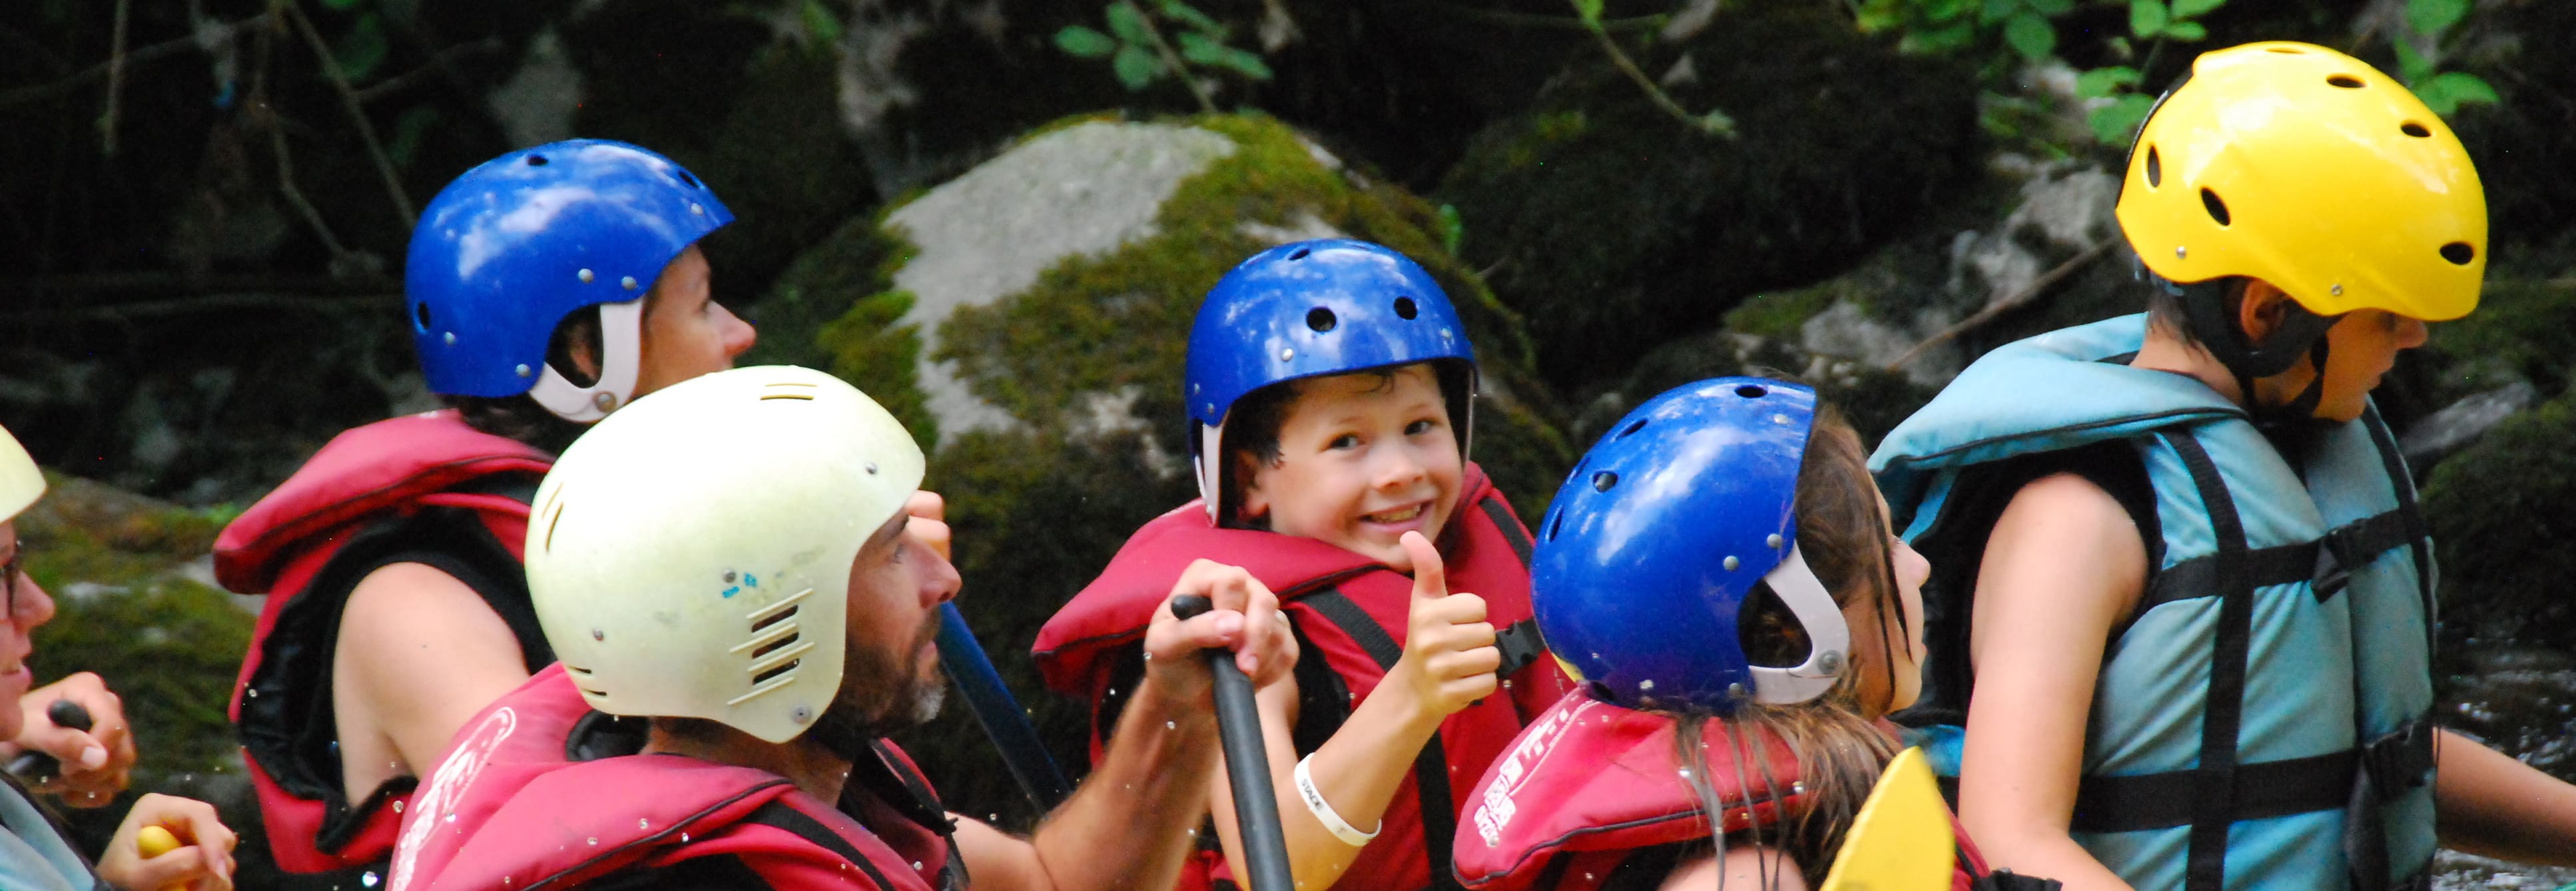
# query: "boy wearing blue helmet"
{"points": [[1329, 387], [544, 289]]}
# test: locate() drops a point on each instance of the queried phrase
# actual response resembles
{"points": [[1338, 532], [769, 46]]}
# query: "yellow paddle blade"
{"points": [[1901, 841]]}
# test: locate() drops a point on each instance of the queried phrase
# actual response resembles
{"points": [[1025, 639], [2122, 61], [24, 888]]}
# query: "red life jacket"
{"points": [[424, 488], [1591, 797], [1350, 614], [511, 808]]}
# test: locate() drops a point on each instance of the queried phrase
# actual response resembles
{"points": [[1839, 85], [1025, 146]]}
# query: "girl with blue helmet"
{"points": [[1329, 387], [1720, 572], [544, 289]]}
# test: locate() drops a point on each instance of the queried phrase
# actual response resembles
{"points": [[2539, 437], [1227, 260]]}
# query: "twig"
{"points": [[102, 283], [115, 79], [207, 304], [1714, 123], [264, 115], [1558, 23], [394, 84], [139, 56], [2010, 302], [349, 100], [1180, 69]]}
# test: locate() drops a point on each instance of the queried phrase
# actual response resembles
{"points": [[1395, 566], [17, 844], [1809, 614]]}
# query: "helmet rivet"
{"points": [[1831, 662], [1732, 563], [1446, 334], [1211, 408], [1194, 389], [627, 282], [729, 576], [1287, 353], [1646, 685], [872, 467], [605, 401], [1736, 691], [586, 276], [451, 338], [598, 634], [1773, 541], [698, 209], [523, 371], [2336, 290], [1779, 419], [2181, 252], [801, 714]]}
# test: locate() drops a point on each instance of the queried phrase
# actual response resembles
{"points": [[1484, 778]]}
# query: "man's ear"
{"points": [[2260, 311]]}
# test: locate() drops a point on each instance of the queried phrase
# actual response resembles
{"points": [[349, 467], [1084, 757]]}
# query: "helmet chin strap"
{"points": [[621, 338], [2301, 334], [1209, 462]]}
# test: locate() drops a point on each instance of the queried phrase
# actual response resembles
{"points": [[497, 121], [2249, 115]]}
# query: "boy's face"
{"points": [[1362, 460]]}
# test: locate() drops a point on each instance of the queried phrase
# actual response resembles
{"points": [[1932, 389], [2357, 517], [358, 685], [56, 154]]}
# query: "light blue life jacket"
{"points": [[2282, 648]]}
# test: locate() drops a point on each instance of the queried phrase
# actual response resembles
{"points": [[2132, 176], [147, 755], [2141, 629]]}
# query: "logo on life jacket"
{"points": [[448, 787], [1497, 808]]}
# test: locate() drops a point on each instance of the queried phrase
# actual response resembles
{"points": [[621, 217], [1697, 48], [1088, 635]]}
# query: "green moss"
{"points": [[2523, 329], [1779, 314], [2499, 516], [836, 308]]}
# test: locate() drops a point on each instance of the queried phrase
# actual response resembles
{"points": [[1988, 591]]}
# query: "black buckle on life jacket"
{"points": [[2400, 760], [2008, 880], [1520, 646]]}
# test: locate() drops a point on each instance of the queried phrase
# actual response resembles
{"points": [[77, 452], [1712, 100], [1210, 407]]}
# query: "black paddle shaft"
{"points": [[1247, 763], [37, 767]]}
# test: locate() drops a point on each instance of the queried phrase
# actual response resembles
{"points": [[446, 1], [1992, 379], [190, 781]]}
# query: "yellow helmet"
{"points": [[2311, 170], [20, 482]]}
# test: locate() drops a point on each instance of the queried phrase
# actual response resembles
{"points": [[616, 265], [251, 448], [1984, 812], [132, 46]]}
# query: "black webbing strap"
{"points": [[2325, 562], [1508, 526], [1431, 768], [2402, 485], [2222, 713], [2174, 798], [778, 815]]}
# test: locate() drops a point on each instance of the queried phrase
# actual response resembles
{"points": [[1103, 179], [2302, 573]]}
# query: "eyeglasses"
{"points": [[11, 571]]}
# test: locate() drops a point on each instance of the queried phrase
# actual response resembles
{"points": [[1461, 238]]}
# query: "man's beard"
{"points": [[881, 694]]}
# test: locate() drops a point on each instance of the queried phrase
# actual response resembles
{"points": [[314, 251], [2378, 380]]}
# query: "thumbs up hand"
{"points": [[1449, 654]]}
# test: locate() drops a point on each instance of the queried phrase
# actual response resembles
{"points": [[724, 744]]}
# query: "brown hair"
{"points": [[520, 417], [1841, 751]]}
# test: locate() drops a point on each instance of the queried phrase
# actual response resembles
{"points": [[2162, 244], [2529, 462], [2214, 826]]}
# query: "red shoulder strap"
{"points": [[361, 471]]}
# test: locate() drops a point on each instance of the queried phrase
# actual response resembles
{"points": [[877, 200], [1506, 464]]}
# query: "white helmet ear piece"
{"points": [[621, 347], [1210, 464], [1829, 639]]}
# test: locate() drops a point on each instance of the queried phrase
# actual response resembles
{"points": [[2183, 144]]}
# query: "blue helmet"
{"points": [[509, 249], [1310, 309], [1662, 533]]}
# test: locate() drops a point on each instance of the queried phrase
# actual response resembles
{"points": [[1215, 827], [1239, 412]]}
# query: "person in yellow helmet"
{"points": [[2181, 615]]}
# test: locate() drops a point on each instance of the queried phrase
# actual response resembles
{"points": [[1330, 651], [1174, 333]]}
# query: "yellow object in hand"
{"points": [[155, 841]]}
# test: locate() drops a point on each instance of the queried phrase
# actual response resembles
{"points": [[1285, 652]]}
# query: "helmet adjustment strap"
{"points": [[621, 346]]}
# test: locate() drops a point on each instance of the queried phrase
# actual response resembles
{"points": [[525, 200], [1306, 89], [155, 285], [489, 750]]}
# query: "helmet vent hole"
{"points": [[2283, 50], [2459, 253], [763, 677], [1632, 428], [1321, 320], [1405, 309], [2217, 209], [2345, 81], [536, 160], [1751, 391], [1299, 254], [773, 646], [780, 616], [2155, 168], [2416, 130], [420, 311], [685, 179], [798, 396], [1601, 482], [1555, 523]]}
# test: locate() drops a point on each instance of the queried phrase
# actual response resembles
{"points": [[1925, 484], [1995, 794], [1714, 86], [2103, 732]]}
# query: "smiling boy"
{"points": [[1329, 387]]}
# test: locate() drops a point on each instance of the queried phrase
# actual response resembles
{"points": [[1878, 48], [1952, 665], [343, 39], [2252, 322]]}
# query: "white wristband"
{"points": [[1324, 813]]}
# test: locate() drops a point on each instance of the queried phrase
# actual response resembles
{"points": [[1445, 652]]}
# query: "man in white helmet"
{"points": [[725, 572]]}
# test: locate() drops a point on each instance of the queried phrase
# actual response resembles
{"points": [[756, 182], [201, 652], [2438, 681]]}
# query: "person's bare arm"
{"points": [[2487, 803], [2062, 565], [1129, 825], [419, 653]]}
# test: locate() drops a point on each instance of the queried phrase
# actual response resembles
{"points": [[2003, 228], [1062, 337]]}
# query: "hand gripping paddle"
{"points": [[1247, 763], [1901, 841]]}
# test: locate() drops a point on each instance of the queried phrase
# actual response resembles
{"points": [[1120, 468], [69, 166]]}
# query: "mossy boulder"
{"points": [[1028, 320], [2499, 515], [1611, 225]]}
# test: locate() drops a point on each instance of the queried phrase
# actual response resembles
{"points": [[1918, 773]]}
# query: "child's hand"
{"points": [[1245, 619], [203, 862], [1449, 655]]}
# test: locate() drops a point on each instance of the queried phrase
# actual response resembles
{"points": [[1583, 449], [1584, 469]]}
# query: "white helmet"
{"points": [[20, 482], [690, 555]]}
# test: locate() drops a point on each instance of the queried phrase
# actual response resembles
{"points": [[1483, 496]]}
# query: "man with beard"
{"points": [[725, 572]]}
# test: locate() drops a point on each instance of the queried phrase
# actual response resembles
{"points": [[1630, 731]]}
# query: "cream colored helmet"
{"points": [[690, 555], [20, 482]]}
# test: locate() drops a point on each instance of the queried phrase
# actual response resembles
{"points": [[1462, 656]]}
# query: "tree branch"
{"points": [[349, 100], [2010, 302], [396, 83], [115, 78], [1180, 69], [138, 56], [1714, 123], [206, 304]]}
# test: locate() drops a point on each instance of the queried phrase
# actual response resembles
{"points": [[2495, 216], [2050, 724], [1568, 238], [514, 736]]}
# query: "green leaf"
{"points": [[340, 4], [2412, 67], [1128, 22], [2147, 17], [2455, 89], [408, 130], [2052, 8], [2031, 36], [2101, 82], [2431, 18], [2186, 31], [362, 49], [2117, 123], [1946, 38], [2192, 9], [820, 22], [1196, 47], [1136, 66], [1245, 62], [1190, 15], [1589, 10], [1997, 11], [1453, 229], [1082, 42]]}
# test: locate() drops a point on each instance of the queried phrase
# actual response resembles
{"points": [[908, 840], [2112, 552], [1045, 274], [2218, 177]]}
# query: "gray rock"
{"points": [[536, 105], [2459, 424]]}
